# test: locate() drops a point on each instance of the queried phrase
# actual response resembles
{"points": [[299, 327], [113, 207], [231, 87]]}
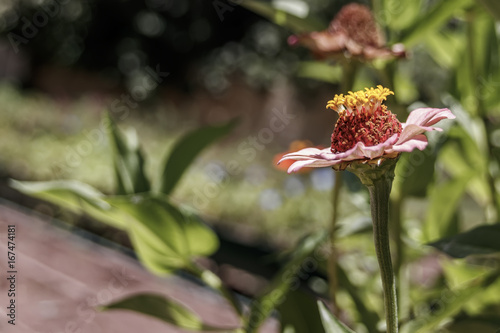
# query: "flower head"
{"points": [[354, 32], [367, 132]]}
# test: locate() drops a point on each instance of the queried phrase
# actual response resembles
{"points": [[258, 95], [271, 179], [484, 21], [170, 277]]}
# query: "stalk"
{"points": [[378, 179], [213, 281], [379, 201]]}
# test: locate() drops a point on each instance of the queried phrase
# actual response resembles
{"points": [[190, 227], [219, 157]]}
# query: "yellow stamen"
{"points": [[369, 98]]}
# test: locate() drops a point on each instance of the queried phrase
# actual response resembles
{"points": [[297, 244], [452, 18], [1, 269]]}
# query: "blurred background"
{"points": [[165, 67]]}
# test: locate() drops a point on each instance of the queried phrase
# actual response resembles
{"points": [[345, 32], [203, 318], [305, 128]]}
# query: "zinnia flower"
{"points": [[367, 132], [354, 32]]}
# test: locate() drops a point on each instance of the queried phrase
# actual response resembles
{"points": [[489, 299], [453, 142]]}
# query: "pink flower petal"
{"points": [[428, 116], [419, 141], [313, 163], [420, 120]]}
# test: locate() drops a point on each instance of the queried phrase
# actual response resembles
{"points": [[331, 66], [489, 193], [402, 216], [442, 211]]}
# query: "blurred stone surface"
{"points": [[62, 278]]}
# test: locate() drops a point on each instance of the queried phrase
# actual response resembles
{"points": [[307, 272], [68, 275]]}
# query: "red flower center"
{"points": [[370, 128]]}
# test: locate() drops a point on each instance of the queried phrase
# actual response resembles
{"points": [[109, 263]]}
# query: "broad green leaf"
{"points": [[201, 240], [284, 281], [330, 323], [128, 161], [443, 202], [76, 197], [280, 17], [481, 240], [300, 313], [186, 150], [159, 307], [432, 20], [165, 239]]}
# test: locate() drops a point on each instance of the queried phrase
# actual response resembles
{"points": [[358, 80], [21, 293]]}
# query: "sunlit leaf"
{"points": [[186, 150], [161, 308], [432, 20], [400, 14], [445, 48], [480, 240], [128, 161], [280, 17], [330, 323], [164, 238], [76, 197], [285, 280]]}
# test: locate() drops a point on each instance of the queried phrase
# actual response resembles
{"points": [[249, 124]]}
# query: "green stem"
{"points": [[377, 177], [379, 199], [332, 259], [213, 281]]}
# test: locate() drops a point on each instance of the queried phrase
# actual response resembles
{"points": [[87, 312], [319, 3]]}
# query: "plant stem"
{"points": [[332, 259], [379, 199], [213, 281]]}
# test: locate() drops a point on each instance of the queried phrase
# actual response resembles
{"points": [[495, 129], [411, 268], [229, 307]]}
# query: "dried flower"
{"points": [[368, 132], [353, 32]]}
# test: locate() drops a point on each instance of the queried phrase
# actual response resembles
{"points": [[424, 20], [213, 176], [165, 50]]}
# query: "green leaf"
{"points": [[284, 281], [282, 18], [432, 20], [76, 197], [443, 202], [481, 240], [128, 161], [439, 45], [400, 14], [164, 238], [186, 150], [414, 172], [330, 323], [300, 313], [159, 307]]}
